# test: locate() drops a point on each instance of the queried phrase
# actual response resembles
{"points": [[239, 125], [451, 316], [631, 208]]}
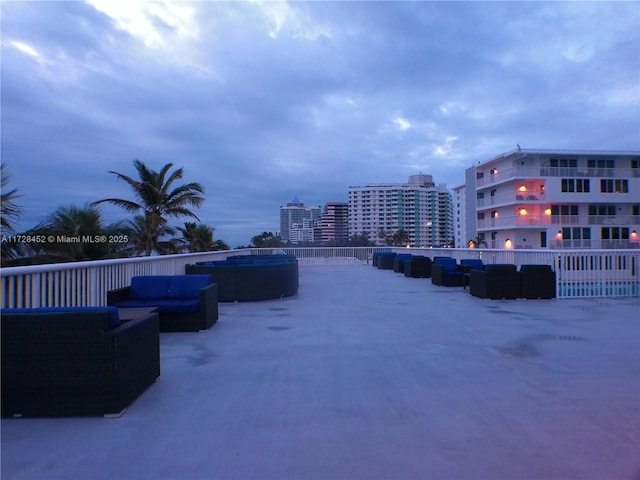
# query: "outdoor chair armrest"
{"points": [[126, 328], [209, 299], [118, 295]]}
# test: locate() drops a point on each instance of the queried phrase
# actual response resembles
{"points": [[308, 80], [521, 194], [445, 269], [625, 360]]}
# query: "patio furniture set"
{"points": [[73, 361], [493, 281], [246, 278]]}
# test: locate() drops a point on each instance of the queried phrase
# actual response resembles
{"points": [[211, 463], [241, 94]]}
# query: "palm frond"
{"points": [[128, 205], [166, 183]]}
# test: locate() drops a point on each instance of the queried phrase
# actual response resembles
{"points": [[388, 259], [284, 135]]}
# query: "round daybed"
{"points": [[247, 278]]}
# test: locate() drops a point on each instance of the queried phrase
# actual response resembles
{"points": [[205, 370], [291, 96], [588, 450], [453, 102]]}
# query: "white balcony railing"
{"points": [[531, 219], [544, 171], [579, 273], [511, 197]]}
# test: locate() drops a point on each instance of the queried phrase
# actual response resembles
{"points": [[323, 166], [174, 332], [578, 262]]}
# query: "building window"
{"points": [[614, 186], [600, 164], [614, 233], [602, 210], [573, 185], [564, 209], [576, 236], [564, 214], [635, 210], [563, 162]]}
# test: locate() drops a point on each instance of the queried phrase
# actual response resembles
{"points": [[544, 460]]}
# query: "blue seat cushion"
{"points": [[474, 263], [449, 264], [114, 318], [150, 286], [187, 286], [164, 305]]}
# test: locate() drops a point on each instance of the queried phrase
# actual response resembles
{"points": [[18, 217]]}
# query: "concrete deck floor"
{"points": [[366, 374]]}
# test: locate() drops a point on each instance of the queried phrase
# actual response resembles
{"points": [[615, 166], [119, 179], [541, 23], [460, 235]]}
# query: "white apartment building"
{"points": [[301, 232], [556, 199], [460, 237], [419, 207]]}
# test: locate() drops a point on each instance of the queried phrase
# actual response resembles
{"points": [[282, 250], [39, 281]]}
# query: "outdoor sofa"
{"points": [[400, 260], [496, 281], [468, 264], [384, 260], [185, 302], [75, 361], [537, 281], [418, 267], [247, 278], [445, 272]]}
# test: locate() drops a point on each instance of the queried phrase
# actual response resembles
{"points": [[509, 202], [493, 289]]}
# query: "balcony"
{"points": [[567, 172], [543, 220], [369, 374], [511, 197]]}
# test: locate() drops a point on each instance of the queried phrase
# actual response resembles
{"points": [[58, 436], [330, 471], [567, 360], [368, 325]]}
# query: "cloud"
{"points": [[261, 101], [26, 49]]}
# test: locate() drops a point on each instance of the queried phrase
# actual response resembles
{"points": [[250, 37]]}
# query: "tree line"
{"points": [[73, 233]]}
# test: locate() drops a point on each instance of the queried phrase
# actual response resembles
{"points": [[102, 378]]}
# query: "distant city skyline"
{"points": [[262, 101]]}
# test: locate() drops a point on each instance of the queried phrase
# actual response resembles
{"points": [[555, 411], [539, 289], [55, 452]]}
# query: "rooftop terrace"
{"points": [[369, 374]]}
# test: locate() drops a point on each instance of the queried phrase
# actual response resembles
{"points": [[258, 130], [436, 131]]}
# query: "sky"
{"points": [[263, 101]]}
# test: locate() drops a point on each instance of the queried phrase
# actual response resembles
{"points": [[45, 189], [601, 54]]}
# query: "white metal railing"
{"points": [[333, 255], [579, 273], [86, 283], [545, 171]]}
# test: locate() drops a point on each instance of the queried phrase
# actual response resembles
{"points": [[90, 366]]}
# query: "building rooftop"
{"points": [[564, 153], [369, 374]]}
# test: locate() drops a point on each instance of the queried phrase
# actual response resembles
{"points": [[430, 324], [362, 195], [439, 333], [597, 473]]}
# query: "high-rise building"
{"points": [[293, 216], [419, 208], [460, 236], [332, 226], [556, 199]]}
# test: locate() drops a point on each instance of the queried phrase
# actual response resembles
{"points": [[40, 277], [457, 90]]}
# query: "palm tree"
{"points": [[477, 242], [267, 240], [382, 235], [400, 238], [74, 234], [144, 237], [196, 237], [157, 198], [9, 211], [220, 245]]}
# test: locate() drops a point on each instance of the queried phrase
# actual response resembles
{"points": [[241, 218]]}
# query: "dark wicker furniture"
{"points": [[186, 303], [468, 264], [400, 261], [537, 281], [445, 272], [75, 361], [385, 260], [418, 267], [246, 278], [495, 281]]}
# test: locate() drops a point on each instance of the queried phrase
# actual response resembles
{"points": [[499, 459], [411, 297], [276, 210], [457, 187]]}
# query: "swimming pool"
{"points": [[599, 289]]}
